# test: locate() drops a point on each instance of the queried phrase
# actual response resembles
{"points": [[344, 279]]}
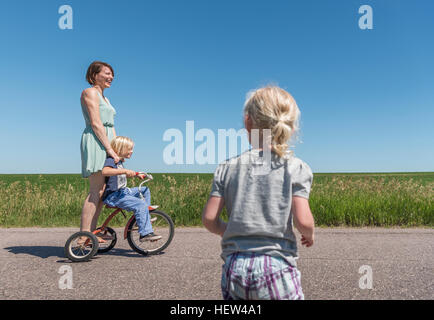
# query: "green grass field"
{"points": [[337, 199]]}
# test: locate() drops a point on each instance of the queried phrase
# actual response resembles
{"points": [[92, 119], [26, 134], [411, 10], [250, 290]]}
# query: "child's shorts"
{"points": [[253, 276]]}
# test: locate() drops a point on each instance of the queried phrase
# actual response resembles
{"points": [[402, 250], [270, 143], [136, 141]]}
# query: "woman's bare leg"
{"points": [[93, 204], [96, 215]]}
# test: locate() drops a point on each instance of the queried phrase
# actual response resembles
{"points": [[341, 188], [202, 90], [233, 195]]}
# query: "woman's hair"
{"points": [[95, 68], [273, 108], [121, 145]]}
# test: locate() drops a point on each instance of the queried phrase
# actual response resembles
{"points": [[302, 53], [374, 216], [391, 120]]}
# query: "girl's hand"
{"points": [[141, 175], [130, 173], [308, 242]]}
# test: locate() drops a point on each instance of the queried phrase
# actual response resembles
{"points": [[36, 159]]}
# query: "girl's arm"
{"points": [[303, 220], [211, 216], [109, 171], [90, 99]]}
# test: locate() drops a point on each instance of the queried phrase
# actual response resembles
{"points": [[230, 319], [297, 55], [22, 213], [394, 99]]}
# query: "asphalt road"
{"points": [[32, 262]]}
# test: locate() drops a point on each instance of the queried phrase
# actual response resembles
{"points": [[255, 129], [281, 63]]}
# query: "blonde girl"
{"points": [[259, 247]]}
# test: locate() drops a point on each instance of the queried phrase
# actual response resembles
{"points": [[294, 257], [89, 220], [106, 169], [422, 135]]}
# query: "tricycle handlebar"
{"points": [[149, 178]]}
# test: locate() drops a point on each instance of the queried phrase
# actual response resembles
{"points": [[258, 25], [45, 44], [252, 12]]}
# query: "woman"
{"points": [[95, 142]]}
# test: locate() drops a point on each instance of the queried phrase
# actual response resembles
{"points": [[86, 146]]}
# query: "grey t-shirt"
{"points": [[259, 202]]}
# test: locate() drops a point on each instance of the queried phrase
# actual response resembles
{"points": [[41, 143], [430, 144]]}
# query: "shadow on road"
{"points": [[125, 253], [115, 252], [43, 252]]}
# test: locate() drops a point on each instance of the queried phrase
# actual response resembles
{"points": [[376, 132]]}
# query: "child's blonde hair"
{"points": [[273, 108], [121, 145]]}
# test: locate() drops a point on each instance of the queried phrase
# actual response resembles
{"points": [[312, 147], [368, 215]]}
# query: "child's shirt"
{"points": [[114, 183], [258, 202]]}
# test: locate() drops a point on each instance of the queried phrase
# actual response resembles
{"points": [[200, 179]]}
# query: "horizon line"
{"points": [[325, 172]]}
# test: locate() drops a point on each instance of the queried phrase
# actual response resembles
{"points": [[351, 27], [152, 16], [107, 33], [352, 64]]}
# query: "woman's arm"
{"points": [[211, 216], [91, 100]]}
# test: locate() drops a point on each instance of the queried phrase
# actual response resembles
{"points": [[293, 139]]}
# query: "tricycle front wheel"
{"points": [[162, 225]]}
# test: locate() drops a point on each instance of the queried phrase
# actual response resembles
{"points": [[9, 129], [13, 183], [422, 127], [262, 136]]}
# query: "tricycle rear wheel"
{"points": [[81, 246]]}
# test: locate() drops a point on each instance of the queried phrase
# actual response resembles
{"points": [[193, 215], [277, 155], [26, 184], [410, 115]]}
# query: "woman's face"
{"points": [[104, 78]]}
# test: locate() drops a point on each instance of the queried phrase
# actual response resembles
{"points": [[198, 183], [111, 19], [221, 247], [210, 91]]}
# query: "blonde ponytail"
{"points": [[275, 109]]}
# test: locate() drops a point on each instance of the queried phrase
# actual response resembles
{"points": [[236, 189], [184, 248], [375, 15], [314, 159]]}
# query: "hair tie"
{"points": [[281, 120]]}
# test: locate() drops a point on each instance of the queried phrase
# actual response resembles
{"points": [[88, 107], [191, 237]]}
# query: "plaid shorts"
{"points": [[253, 276]]}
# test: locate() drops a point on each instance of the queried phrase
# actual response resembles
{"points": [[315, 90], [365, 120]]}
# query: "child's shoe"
{"points": [[149, 237]]}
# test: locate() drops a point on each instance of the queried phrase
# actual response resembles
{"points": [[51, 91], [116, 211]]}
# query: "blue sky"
{"points": [[366, 96]]}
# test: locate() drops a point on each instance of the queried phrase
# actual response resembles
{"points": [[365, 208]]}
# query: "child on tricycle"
{"points": [[117, 194]]}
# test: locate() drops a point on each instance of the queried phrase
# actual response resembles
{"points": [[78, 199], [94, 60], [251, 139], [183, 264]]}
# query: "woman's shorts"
{"points": [[253, 276]]}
